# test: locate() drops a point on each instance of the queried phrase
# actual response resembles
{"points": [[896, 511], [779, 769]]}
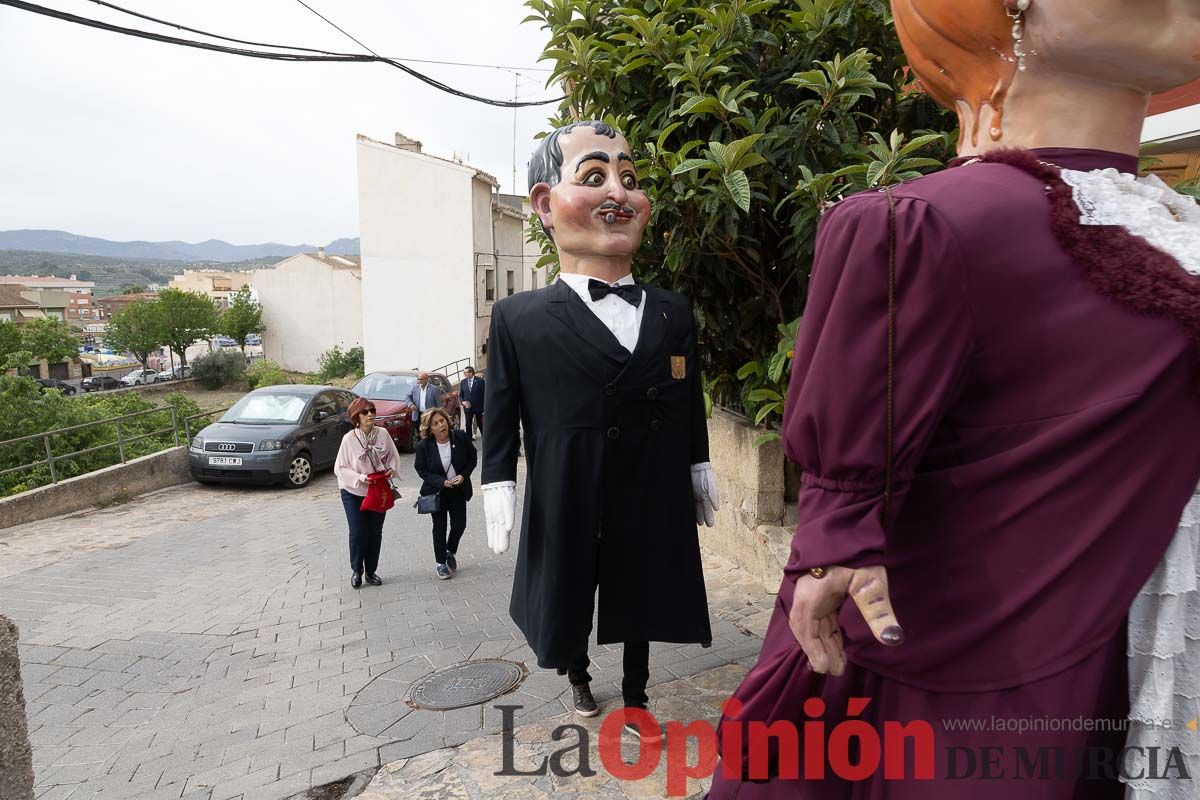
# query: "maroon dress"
{"points": [[1045, 447]]}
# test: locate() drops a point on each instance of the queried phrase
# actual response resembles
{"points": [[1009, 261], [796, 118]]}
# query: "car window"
{"points": [[440, 382], [266, 409], [324, 402], [344, 399], [378, 386]]}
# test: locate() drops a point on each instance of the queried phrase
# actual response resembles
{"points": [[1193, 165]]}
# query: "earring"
{"points": [[1017, 15]]}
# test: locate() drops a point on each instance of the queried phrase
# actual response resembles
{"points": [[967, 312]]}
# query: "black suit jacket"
{"points": [[475, 396], [428, 463], [609, 440]]}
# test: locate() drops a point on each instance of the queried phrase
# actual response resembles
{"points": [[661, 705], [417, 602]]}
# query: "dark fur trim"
{"points": [[1117, 264]]}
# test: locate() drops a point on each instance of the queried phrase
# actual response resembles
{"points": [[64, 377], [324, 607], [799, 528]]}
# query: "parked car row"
{"points": [[284, 434]]}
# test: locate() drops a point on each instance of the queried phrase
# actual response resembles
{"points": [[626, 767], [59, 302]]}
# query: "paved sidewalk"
{"points": [[469, 772], [204, 642]]}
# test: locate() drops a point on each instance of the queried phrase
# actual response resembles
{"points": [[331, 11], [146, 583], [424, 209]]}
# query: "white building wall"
{"points": [[416, 231], [308, 307]]}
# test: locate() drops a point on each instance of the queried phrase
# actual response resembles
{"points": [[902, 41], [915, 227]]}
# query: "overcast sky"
{"points": [[106, 135]]}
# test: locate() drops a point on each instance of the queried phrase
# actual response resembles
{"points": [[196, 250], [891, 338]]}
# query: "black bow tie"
{"points": [[631, 293]]}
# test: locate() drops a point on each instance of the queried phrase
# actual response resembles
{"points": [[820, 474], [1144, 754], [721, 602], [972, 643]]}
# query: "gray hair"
{"points": [[546, 164]]}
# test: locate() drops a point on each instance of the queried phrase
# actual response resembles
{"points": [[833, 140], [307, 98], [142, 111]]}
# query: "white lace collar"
{"points": [[1146, 207]]}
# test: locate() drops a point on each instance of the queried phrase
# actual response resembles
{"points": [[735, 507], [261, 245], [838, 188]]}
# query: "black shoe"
{"points": [[443, 572], [374, 579], [585, 704], [355, 580], [451, 563], [652, 732]]}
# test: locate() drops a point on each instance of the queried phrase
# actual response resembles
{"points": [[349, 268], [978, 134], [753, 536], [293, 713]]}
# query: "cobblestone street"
{"points": [[204, 642]]}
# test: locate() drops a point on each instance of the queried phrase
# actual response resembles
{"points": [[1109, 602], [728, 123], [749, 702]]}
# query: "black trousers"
{"points": [[454, 507], [470, 414], [366, 534], [636, 668]]}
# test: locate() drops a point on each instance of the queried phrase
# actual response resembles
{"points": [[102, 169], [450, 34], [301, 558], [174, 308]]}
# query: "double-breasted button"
{"points": [[613, 433], [610, 390], [655, 424], [652, 392]]}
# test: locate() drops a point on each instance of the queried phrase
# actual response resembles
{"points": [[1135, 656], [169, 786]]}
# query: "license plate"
{"points": [[224, 461]]}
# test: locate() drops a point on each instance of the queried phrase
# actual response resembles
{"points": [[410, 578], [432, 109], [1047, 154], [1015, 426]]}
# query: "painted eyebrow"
{"points": [[623, 157], [599, 155]]}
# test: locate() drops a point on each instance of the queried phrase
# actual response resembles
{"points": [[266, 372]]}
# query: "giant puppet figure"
{"points": [[602, 375], [1040, 410]]}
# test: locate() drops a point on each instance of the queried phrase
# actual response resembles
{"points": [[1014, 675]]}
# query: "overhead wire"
{"points": [[176, 25], [339, 28], [301, 54]]}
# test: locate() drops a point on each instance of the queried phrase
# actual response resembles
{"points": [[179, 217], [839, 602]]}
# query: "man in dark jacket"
{"points": [[604, 376], [471, 394]]}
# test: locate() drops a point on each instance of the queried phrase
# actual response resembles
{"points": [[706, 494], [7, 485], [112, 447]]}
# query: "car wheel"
{"points": [[299, 472], [70, 390]]}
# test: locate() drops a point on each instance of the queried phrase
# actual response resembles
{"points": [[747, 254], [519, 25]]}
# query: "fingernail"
{"points": [[892, 635]]}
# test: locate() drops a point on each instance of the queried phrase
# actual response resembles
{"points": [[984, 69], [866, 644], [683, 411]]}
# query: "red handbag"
{"points": [[379, 493]]}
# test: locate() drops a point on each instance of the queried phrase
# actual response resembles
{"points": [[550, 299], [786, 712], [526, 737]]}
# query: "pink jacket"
{"points": [[354, 464]]}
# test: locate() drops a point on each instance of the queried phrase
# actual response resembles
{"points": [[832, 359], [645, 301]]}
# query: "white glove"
{"points": [[499, 509], [704, 488]]}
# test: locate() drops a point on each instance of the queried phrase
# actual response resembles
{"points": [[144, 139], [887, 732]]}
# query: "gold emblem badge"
{"points": [[678, 367]]}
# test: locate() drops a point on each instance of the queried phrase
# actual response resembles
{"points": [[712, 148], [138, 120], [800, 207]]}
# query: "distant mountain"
{"points": [[211, 250]]}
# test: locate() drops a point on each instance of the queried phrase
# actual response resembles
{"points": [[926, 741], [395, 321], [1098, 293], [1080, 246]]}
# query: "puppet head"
{"points": [[584, 188], [968, 54]]}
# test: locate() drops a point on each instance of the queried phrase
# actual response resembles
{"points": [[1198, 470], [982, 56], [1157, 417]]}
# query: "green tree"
{"points": [[338, 363], [133, 288], [10, 339], [51, 339], [746, 117], [242, 318], [136, 329], [185, 318]]}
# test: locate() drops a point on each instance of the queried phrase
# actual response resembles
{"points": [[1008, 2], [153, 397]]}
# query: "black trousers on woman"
{"points": [[366, 534], [454, 507]]}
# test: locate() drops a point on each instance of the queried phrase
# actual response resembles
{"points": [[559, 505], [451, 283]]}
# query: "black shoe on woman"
{"points": [[451, 563], [374, 579], [355, 580]]}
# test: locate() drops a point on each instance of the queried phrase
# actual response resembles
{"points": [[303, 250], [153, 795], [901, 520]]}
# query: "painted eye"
{"points": [[629, 181], [594, 179]]}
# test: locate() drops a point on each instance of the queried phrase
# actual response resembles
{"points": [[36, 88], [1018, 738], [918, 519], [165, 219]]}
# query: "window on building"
{"points": [[512, 282], [489, 285]]}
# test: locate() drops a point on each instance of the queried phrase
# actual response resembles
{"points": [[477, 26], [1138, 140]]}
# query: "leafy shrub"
{"points": [[219, 368], [25, 411], [338, 363], [265, 373]]}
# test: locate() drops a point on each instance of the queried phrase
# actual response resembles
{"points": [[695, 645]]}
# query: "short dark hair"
{"points": [[469, 369], [546, 164]]}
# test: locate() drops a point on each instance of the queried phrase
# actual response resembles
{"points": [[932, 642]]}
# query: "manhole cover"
{"points": [[467, 684]]}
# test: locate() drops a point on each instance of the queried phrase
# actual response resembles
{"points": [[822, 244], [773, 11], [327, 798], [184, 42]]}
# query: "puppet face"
{"points": [[596, 209], [1145, 45]]}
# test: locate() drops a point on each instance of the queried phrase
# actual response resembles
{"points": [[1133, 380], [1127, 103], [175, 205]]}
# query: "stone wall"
{"points": [[104, 486], [16, 756], [752, 524]]}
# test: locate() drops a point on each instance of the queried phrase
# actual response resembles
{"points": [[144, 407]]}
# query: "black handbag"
{"points": [[429, 503]]}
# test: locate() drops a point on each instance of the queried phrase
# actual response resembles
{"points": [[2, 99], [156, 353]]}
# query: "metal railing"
{"points": [[121, 443], [453, 370]]}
